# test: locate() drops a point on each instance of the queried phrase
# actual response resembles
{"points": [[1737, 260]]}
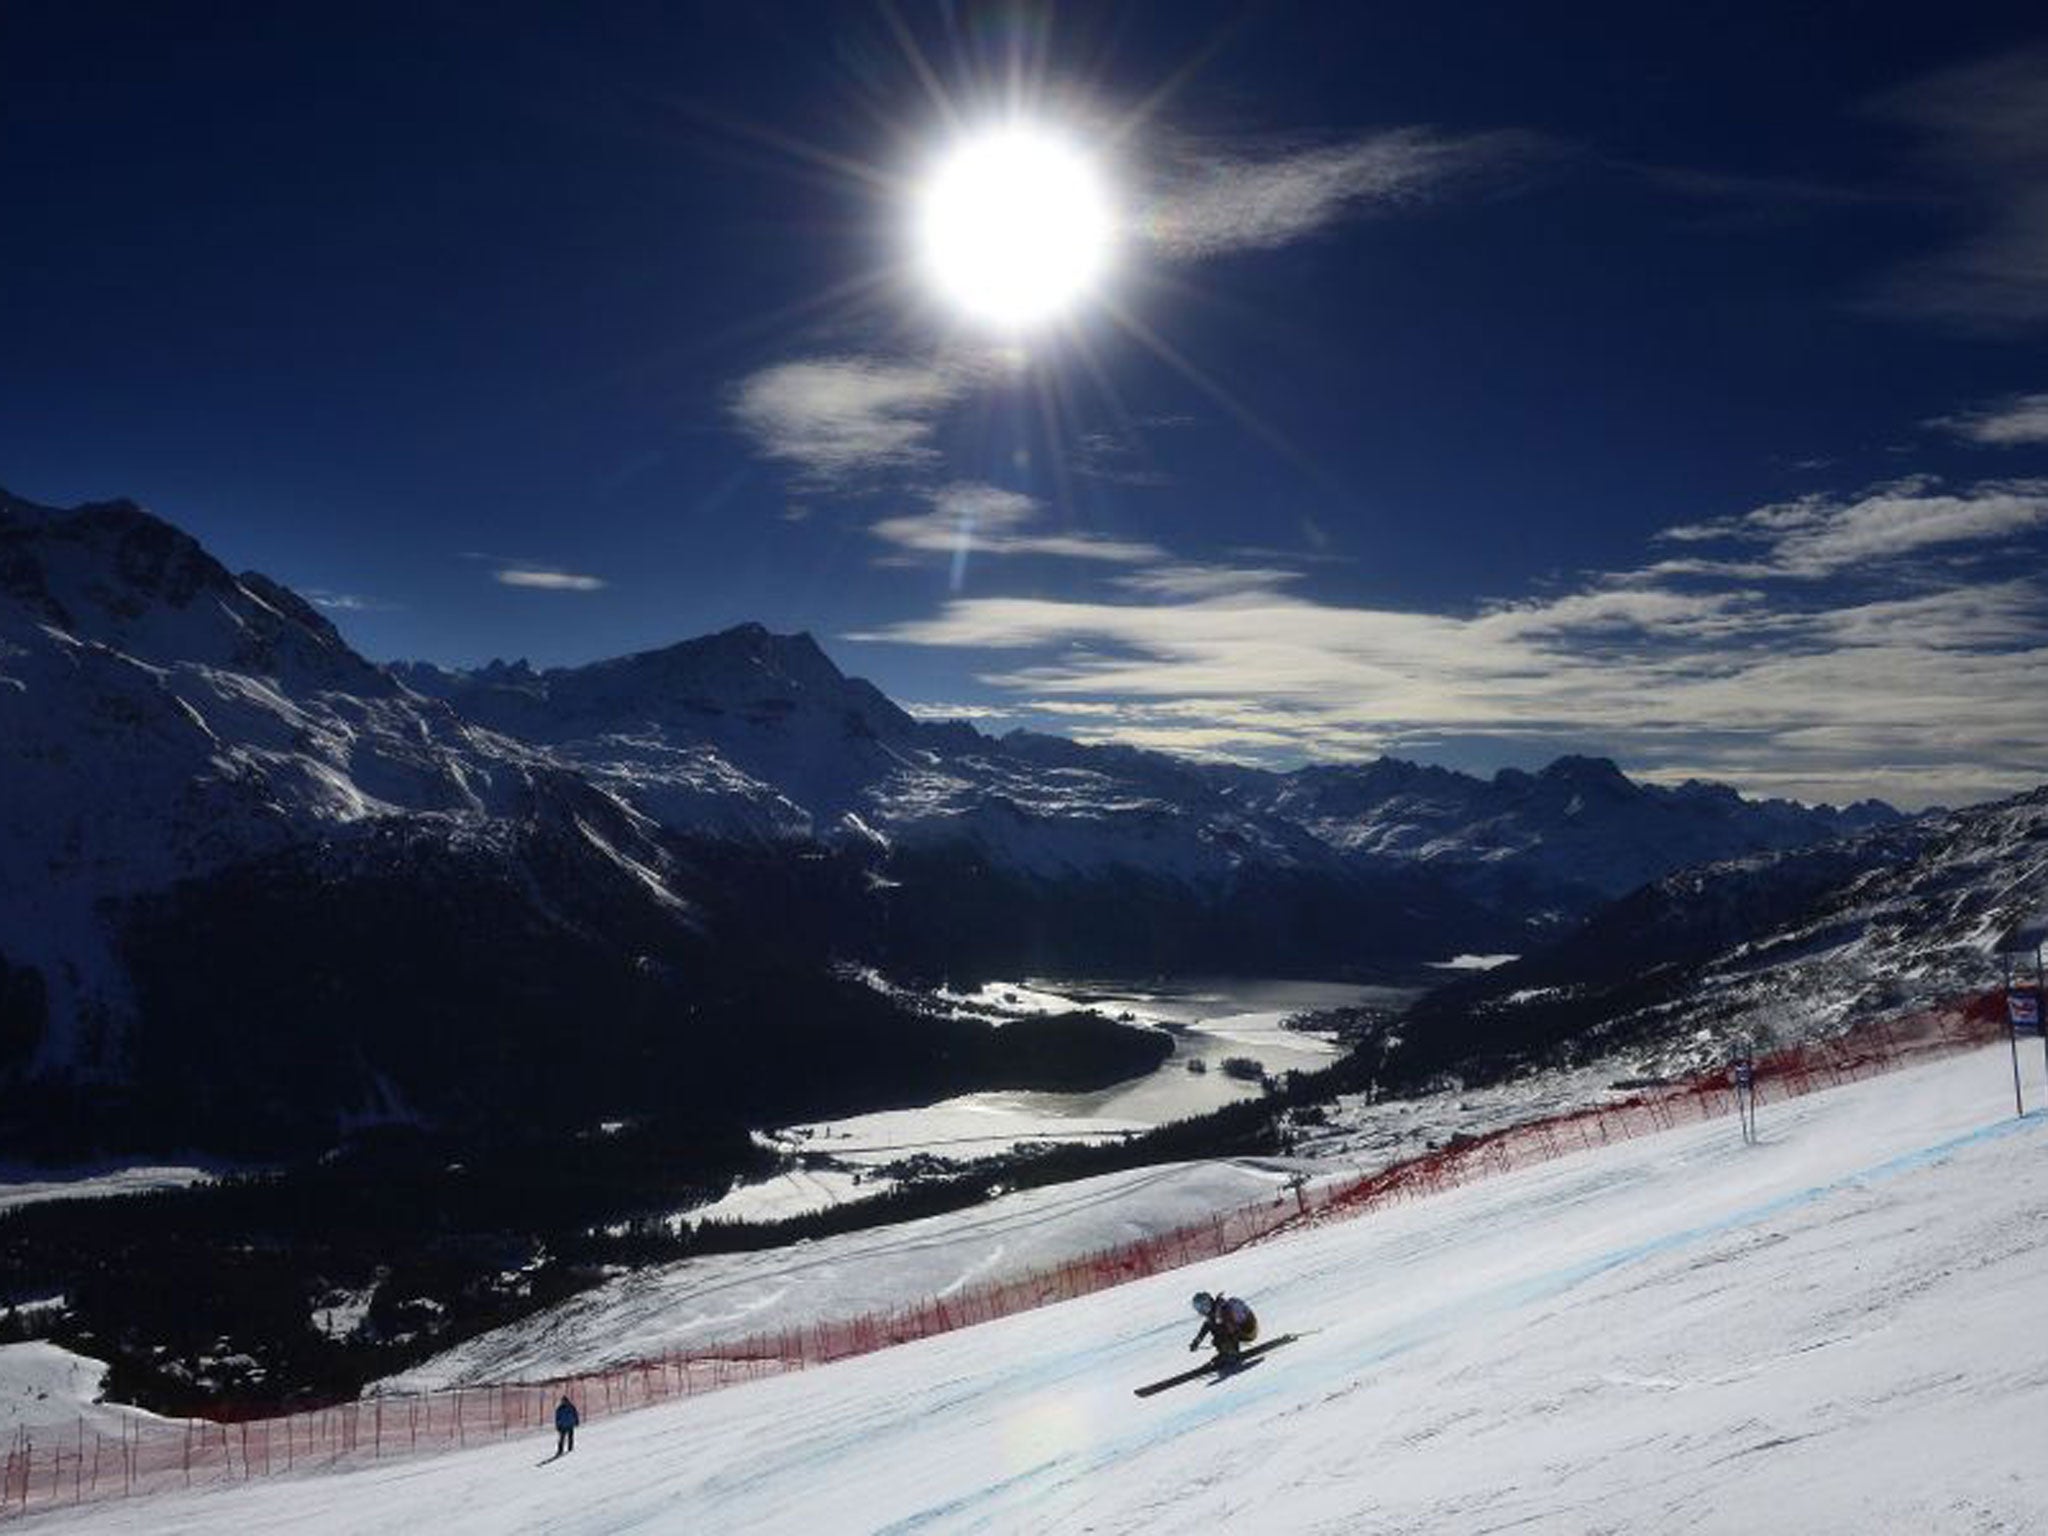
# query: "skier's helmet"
{"points": [[1203, 1302]]}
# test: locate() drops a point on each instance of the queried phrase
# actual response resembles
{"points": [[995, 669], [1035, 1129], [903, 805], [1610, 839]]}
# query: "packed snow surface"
{"points": [[1834, 1331]]}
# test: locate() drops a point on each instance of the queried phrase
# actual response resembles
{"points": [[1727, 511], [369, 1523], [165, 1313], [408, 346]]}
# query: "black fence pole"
{"points": [[2041, 1003]]}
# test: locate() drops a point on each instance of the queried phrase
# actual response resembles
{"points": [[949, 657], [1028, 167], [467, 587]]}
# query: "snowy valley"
{"points": [[496, 995]]}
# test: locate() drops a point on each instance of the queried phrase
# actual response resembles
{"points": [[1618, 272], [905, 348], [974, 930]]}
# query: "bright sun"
{"points": [[1014, 227]]}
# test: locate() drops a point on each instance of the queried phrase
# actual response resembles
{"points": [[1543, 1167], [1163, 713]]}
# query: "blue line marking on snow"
{"points": [[1061, 1471], [1908, 1162]]}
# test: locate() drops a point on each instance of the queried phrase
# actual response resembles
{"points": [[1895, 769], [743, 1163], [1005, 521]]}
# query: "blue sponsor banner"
{"points": [[2023, 1011]]}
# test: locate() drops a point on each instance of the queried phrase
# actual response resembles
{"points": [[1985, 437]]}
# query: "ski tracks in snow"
{"points": [[1021, 1500]]}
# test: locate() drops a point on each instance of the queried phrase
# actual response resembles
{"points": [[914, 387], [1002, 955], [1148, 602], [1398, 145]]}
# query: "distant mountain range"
{"points": [[747, 732], [1771, 949], [246, 872]]}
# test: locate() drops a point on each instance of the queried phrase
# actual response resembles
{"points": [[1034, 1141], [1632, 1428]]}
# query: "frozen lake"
{"points": [[1210, 1019]]}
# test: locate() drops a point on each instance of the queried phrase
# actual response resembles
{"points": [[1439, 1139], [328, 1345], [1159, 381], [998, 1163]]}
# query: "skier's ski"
{"points": [[1217, 1366]]}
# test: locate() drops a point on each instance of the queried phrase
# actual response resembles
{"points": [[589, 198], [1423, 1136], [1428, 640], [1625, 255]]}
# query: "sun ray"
{"points": [[1176, 80], [1046, 391], [873, 285], [913, 54], [847, 168], [1239, 412]]}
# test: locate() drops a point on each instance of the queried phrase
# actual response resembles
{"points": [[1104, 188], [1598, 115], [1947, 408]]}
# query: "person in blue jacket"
{"points": [[566, 1420]]}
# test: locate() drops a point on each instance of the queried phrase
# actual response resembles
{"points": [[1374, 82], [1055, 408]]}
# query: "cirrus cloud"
{"points": [[1218, 199], [1821, 535], [1912, 682], [1985, 128], [546, 580], [2019, 421], [966, 518]]}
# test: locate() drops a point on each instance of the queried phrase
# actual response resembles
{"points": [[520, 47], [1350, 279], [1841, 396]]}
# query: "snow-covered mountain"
{"points": [[751, 730], [747, 730], [252, 885], [751, 734], [983, 853], [1557, 842], [161, 718], [1774, 947], [222, 827]]}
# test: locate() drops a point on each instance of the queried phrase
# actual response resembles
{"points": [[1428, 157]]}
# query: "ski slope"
{"points": [[724, 1298], [1837, 1330]]}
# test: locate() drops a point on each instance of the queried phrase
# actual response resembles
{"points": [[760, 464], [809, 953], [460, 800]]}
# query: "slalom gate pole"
{"points": [[2012, 1035]]}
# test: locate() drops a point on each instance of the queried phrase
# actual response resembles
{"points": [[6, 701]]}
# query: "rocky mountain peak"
{"points": [[113, 573], [1581, 770]]}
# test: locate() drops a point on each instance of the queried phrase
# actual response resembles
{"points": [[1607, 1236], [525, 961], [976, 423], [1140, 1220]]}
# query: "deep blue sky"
{"points": [[389, 301]]}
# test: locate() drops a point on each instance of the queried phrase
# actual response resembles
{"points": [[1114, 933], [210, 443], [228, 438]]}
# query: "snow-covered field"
{"points": [[43, 1387], [1834, 1331], [23, 1185]]}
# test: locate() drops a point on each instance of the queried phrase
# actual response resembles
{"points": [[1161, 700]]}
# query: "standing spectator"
{"points": [[566, 1420]]}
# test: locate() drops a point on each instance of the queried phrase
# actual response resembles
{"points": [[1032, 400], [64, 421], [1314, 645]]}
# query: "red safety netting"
{"points": [[79, 1463]]}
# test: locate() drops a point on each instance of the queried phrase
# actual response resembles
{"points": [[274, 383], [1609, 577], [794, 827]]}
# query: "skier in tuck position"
{"points": [[1226, 1319]]}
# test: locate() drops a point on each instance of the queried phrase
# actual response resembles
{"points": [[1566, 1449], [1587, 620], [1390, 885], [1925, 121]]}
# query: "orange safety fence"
{"points": [[78, 1463]]}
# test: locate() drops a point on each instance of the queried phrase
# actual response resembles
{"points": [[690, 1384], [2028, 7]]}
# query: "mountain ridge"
{"points": [[1768, 949], [167, 728]]}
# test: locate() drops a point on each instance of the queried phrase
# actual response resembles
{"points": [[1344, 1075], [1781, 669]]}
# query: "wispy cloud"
{"points": [[1986, 127], [342, 602], [1781, 191], [547, 580], [849, 417], [1115, 459], [945, 711], [1218, 199], [2021, 420], [1819, 535], [1188, 583], [966, 518], [1915, 681]]}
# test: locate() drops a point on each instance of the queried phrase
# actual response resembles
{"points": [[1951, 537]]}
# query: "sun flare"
{"points": [[1014, 227]]}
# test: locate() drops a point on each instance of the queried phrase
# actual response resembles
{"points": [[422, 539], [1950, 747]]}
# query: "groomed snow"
{"points": [[728, 1297], [1835, 1331]]}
